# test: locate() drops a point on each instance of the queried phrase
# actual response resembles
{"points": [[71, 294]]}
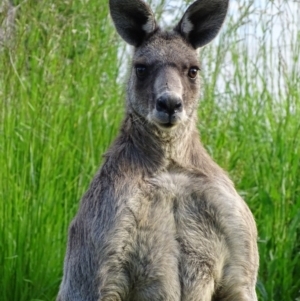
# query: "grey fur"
{"points": [[161, 220], [134, 18], [206, 18]]}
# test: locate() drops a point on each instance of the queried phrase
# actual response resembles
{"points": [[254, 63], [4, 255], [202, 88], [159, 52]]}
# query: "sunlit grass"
{"points": [[60, 109]]}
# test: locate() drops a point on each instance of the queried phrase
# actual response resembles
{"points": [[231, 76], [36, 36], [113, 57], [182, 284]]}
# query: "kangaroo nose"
{"points": [[169, 104]]}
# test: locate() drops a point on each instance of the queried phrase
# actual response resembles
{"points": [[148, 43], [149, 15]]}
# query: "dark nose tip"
{"points": [[169, 104]]}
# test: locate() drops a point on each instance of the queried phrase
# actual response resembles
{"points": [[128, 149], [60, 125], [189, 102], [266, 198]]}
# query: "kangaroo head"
{"points": [[164, 86]]}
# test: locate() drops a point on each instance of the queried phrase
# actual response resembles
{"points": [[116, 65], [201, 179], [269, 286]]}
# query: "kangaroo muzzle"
{"points": [[169, 109], [168, 106]]}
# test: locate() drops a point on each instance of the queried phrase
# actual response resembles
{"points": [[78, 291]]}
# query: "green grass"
{"points": [[61, 106]]}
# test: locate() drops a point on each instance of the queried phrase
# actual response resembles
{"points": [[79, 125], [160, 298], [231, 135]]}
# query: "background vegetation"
{"points": [[61, 103]]}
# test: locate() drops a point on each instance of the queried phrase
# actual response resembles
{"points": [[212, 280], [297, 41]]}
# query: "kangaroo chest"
{"points": [[170, 237]]}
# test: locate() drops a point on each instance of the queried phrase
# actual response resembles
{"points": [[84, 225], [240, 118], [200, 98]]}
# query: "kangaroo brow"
{"points": [[158, 63]]}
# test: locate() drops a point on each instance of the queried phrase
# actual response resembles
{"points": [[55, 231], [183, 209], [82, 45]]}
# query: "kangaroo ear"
{"points": [[133, 19], [202, 21]]}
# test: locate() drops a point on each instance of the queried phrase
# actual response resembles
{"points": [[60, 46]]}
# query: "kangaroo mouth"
{"points": [[167, 121], [167, 125], [164, 120]]}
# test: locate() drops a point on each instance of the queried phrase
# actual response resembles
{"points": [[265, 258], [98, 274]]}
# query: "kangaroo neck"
{"points": [[171, 145]]}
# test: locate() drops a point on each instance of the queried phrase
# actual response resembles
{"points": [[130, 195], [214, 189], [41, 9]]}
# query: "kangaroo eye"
{"points": [[141, 71], [193, 72]]}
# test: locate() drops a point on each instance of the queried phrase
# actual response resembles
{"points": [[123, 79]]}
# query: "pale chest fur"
{"points": [[170, 232]]}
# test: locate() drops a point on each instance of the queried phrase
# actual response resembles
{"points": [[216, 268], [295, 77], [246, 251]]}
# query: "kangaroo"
{"points": [[161, 220]]}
